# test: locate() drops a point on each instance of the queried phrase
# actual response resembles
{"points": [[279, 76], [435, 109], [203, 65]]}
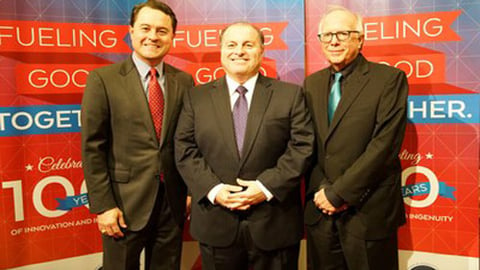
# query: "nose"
{"points": [[334, 40], [238, 50], [152, 34]]}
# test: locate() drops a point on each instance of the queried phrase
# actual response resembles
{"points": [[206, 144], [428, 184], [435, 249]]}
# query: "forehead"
{"points": [[240, 33], [148, 15], [339, 20]]}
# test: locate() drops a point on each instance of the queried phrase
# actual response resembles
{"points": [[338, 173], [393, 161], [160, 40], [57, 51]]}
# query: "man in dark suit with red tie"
{"points": [[242, 144], [354, 203], [129, 115]]}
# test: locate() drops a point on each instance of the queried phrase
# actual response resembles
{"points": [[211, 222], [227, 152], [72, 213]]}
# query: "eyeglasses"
{"points": [[340, 35]]}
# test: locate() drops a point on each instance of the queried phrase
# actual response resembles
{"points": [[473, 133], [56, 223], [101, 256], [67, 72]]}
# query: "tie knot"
{"points": [[338, 76], [241, 90], [153, 72]]}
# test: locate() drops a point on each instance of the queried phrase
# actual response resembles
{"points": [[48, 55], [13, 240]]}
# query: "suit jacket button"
{"points": [[327, 157]]}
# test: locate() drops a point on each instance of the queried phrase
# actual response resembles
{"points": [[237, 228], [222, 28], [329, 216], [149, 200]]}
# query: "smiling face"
{"points": [[241, 52], [151, 35], [341, 53]]}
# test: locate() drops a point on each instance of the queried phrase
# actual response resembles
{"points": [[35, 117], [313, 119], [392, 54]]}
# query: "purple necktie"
{"points": [[240, 114]]}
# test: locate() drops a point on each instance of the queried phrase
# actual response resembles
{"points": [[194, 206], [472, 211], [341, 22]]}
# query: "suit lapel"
{"points": [[350, 91], [221, 104], [258, 106], [171, 97], [321, 103], [136, 92]]}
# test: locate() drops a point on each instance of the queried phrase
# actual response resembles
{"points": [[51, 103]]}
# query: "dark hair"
{"points": [[155, 4], [260, 33]]}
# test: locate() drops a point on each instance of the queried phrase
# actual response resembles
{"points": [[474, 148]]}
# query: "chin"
{"points": [[336, 60], [238, 70]]}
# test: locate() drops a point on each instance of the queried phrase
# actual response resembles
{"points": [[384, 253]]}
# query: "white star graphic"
{"points": [[429, 155], [29, 167]]}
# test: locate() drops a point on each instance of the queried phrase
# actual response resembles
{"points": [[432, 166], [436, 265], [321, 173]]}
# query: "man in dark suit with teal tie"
{"points": [[245, 131], [354, 204], [129, 115]]}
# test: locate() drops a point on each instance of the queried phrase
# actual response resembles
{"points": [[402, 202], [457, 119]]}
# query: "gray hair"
{"points": [[332, 8]]}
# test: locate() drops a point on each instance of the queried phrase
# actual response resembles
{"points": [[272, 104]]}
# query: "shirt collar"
{"points": [[346, 71], [249, 84], [144, 69]]}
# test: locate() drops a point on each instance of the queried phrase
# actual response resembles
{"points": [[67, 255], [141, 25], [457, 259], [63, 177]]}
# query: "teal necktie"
{"points": [[334, 96]]}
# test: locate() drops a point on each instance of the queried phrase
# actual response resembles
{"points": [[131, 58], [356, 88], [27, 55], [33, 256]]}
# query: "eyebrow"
{"points": [[153, 26], [243, 42]]}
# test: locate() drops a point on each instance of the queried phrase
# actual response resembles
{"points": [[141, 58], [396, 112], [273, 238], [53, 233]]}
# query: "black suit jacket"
{"points": [[122, 157], [278, 141], [357, 154]]}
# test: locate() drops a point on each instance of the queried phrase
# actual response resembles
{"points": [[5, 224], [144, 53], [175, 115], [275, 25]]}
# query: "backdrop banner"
{"points": [[48, 47]]}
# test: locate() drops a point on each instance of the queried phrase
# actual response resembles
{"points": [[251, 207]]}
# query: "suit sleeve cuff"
{"points": [[212, 194], [333, 197], [265, 191]]}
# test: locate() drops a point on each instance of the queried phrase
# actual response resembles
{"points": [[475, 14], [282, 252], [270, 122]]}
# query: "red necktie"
{"points": [[156, 102]]}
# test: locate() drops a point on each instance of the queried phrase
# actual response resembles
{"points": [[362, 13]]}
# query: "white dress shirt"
{"points": [[232, 86]]}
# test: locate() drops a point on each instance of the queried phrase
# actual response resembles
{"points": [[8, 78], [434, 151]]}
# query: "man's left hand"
{"points": [[250, 196]]}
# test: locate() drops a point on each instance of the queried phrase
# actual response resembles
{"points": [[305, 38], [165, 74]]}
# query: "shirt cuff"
{"points": [[265, 191], [212, 194], [333, 197]]}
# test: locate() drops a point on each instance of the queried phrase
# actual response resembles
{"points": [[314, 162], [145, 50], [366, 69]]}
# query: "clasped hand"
{"points": [[324, 204], [240, 197]]}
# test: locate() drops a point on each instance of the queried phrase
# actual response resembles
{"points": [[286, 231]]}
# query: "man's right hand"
{"points": [[322, 203], [110, 221], [224, 199]]}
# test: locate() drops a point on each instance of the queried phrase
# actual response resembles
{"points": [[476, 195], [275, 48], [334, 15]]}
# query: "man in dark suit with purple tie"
{"points": [[242, 144]]}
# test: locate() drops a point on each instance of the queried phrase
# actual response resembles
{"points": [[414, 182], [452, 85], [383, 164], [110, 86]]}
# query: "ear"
{"points": [[130, 30], [361, 39]]}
